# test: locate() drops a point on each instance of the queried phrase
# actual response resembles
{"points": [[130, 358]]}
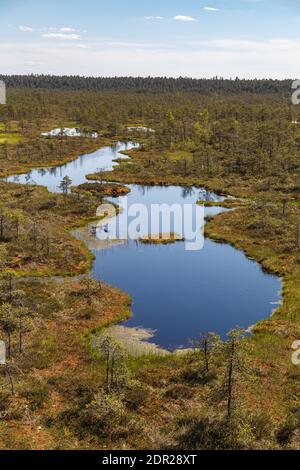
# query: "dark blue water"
{"points": [[182, 294], [179, 294]]}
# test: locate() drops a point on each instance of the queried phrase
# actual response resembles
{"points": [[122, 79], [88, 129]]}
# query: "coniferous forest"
{"points": [[68, 383]]}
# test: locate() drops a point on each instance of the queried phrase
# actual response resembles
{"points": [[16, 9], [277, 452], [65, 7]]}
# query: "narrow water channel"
{"points": [[177, 293]]}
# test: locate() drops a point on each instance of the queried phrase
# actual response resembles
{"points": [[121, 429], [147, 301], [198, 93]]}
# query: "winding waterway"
{"points": [[179, 294]]}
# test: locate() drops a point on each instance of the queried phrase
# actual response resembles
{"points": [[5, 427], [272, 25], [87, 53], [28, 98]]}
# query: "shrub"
{"points": [[136, 395], [86, 313], [208, 433], [285, 433], [105, 417], [192, 374], [41, 354], [72, 389], [261, 425], [5, 398], [36, 394], [180, 392]]}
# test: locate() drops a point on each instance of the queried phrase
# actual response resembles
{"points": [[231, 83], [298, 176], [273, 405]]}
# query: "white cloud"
{"points": [[26, 29], [184, 18], [275, 58], [67, 30], [134, 45], [32, 64], [211, 9], [270, 46], [154, 18], [62, 36], [49, 30]]}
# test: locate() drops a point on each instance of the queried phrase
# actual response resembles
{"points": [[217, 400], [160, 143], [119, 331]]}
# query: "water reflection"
{"points": [[177, 293], [76, 170]]}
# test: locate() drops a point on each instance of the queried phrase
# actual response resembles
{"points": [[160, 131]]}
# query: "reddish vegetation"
{"points": [[105, 190]]}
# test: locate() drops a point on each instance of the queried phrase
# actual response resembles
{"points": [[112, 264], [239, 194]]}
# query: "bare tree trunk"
{"points": [[34, 236], [230, 382], [20, 336], [2, 227], [10, 287], [112, 370], [298, 235], [17, 228], [9, 346], [206, 355], [10, 379], [107, 370]]}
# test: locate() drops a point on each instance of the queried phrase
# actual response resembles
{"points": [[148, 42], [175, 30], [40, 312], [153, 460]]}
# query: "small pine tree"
{"points": [[65, 185]]}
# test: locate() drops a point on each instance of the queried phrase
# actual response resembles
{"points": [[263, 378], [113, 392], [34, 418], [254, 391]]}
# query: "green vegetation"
{"points": [[10, 139], [34, 231], [149, 85], [104, 190], [62, 389]]}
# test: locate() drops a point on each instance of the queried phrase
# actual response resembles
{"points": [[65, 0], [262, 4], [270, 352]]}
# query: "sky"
{"points": [[190, 38]]}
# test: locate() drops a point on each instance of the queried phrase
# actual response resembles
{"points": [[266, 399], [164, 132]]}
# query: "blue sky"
{"points": [[245, 38]]}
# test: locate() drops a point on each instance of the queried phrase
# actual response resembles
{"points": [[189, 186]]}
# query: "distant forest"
{"points": [[149, 84]]}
